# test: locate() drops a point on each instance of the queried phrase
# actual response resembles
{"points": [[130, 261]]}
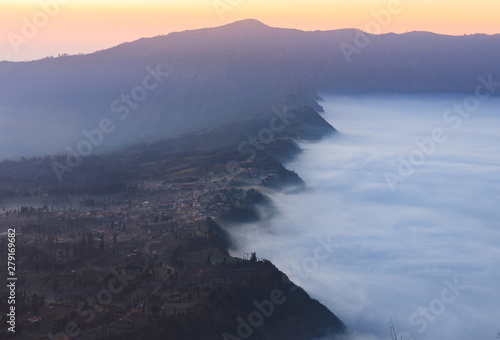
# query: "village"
{"points": [[95, 266]]}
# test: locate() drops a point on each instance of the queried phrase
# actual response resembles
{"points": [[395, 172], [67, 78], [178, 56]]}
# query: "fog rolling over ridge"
{"points": [[426, 253]]}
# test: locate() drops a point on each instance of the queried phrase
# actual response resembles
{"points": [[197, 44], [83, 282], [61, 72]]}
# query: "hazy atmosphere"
{"points": [[249, 169], [394, 251]]}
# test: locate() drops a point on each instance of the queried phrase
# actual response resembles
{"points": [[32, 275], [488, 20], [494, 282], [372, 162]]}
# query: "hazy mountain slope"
{"points": [[214, 76], [205, 150]]}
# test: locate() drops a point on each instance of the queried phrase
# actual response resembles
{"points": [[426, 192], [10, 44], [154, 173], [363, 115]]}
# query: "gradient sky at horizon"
{"points": [[84, 26]]}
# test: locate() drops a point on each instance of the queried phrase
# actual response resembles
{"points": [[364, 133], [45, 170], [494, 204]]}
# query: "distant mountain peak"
{"points": [[247, 24]]}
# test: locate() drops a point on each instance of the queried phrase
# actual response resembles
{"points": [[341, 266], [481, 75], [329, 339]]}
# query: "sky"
{"points": [[33, 29], [391, 251]]}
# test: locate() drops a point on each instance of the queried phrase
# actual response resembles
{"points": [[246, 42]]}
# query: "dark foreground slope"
{"points": [[171, 280], [264, 305]]}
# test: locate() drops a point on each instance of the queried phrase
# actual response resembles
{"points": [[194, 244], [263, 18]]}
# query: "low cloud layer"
{"points": [[425, 251]]}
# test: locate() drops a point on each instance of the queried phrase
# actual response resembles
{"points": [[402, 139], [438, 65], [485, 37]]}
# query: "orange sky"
{"points": [[83, 26]]}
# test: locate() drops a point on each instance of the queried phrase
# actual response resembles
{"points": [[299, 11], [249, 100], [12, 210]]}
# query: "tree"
{"points": [[101, 244]]}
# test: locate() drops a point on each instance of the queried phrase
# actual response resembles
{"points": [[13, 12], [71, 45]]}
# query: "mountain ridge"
{"points": [[253, 23], [216, 75]]}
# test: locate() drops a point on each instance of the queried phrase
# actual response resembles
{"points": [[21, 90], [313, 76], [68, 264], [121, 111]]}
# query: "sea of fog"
{"points": [[401, 218]]}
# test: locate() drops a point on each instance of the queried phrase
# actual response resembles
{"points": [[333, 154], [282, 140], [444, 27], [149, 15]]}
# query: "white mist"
{"points": [[427, 250]]}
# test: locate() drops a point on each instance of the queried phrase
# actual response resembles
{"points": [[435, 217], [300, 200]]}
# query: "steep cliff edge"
{"points": [[256, 302]]}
